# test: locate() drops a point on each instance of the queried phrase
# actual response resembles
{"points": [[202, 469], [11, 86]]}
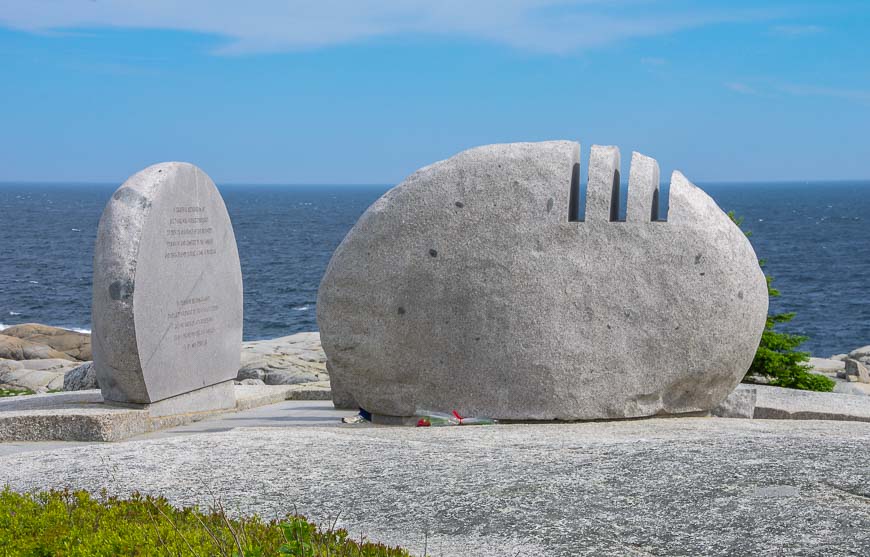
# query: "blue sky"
{"points": [[354, 91]]}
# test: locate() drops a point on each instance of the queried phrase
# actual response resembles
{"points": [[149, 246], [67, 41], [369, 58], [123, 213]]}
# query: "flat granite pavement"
{"points": [[675, 486]]}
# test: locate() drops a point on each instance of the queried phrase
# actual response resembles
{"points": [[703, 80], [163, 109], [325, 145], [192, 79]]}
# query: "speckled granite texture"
{"points": [[690, 486], [473, 286]]}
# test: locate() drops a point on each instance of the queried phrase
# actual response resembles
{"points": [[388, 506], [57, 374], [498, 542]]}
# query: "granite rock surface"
{"points": [[851, 388], [82, 378], [74, 344], [860, 353], [776, 403], [14, 348], [739, 404], [35, 375], [84, 415], [287, 360], [856, 370], [477, 286], [691, 487], [167, 287], [826, 365], [290, 360]]}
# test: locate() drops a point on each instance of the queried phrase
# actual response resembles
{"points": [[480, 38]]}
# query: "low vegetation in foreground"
{"points": [[14, 392], [76, 524]]}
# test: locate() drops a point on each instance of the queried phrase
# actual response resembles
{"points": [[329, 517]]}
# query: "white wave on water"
{"points": [[14, 313], [301, 308], [33, 281], [76, 329]]}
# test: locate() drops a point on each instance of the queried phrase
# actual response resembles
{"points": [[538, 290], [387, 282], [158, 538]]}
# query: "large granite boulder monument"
{"points": [[481, 285], [167, 293]]}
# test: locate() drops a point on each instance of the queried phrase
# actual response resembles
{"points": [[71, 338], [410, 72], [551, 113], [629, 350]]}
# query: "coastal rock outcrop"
{"points": [[81, 378], [34, 375], [861, 354], [826, 366], [74, 344], [479, 285], [287, 360], [855, 370], [14, 348], [850, 376]]}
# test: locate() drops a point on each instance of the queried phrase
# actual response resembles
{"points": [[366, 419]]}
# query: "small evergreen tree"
{"points": [[777, 357]]}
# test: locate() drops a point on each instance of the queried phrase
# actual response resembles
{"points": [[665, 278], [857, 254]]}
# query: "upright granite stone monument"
{"points": [[167, 293], [479, 285]]}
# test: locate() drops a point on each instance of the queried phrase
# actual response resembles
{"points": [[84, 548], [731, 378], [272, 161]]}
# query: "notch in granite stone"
{"points": [[576, 191], [575, 214], [643, 189], [602, 188]]}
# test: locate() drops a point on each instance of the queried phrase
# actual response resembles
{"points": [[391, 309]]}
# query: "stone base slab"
{"points": [[208, 399], [84, 416], [777, 403]]}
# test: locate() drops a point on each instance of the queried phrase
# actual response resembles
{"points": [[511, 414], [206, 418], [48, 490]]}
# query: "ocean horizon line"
{"points": [[736, 183]]}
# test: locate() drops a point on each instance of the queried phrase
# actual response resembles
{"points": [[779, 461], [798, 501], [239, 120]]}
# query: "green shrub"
{"points": [[777, 357], [75, 524], [14, 392]]}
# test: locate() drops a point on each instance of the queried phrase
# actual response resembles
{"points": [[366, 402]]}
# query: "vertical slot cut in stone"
{"points": [[574, 212], [614, 197]]}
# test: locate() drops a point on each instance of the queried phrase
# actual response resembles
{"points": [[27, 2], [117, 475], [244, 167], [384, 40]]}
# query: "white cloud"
{"points": [[653, 61], [275, 25], [861, 95], [777, 89], [796, 30], [741, 88]]}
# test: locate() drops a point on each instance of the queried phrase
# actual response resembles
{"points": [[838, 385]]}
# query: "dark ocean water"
{"points": [[815, 238]]}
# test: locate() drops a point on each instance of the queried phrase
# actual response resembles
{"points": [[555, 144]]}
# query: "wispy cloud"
{"points": [[796, 30], [275, 25], [773, 90], [653, 62], [862, 95], [741, 88]]}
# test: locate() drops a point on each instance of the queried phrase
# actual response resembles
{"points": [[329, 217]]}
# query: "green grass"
{"points": [[77, 524], [15, 392]]}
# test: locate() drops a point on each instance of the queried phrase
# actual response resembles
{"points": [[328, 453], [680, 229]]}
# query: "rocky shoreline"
{"points": [[848, 371], [42, 359]]}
